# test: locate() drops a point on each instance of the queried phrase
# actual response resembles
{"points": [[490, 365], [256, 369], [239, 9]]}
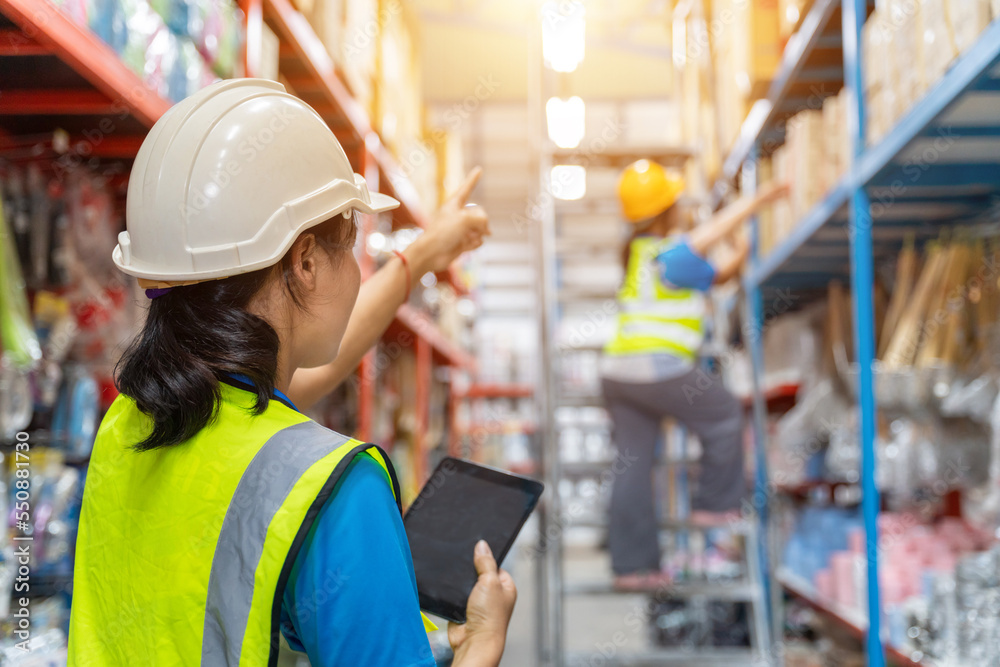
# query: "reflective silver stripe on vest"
{"points": [[688, 308], [265, 484]]}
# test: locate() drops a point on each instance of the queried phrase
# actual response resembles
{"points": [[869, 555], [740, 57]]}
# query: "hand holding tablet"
{"points": [[461, 504]]}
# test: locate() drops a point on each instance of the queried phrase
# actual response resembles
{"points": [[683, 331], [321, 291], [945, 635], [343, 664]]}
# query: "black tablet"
{"points": [[461, 504]]}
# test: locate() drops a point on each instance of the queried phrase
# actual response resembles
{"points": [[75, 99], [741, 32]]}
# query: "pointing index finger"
{"points": [[465, 189]]}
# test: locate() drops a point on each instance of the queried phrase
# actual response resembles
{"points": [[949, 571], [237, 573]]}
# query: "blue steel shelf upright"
{"points": [[958, 120]]}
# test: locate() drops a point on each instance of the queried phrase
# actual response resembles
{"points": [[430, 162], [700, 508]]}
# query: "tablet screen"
{"points": [[462, 503]]}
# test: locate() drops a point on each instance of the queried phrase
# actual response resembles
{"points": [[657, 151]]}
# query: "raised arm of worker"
{"points": [[732, 262], [454, 230], [704, 236]]}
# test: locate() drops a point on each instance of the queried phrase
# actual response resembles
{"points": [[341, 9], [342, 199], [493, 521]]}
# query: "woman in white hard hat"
{"points": [[216, 516], [649, 366]]}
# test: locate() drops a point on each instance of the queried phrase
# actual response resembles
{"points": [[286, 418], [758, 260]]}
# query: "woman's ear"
{"points": [[304, 261]]}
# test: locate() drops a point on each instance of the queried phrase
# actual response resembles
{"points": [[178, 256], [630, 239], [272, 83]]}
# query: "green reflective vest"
{"points": [[183, 552], [653, 318]]}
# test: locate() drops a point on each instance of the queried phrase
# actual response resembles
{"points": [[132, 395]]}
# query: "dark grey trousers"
{"points": [[699, 401]]}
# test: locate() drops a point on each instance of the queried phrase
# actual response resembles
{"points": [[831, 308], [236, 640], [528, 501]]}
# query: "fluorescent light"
{"points": [[568, 181], [563, 33], [565, 119]]}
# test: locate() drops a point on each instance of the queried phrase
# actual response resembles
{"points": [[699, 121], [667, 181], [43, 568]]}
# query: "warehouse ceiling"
{"points": [[466, 43]]}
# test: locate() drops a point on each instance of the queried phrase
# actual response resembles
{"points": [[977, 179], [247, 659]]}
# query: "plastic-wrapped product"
{"points": [[973, 399], [107, 19], [804, 430], [19, 343], [142, 24], [222, 37], [181, 16]]}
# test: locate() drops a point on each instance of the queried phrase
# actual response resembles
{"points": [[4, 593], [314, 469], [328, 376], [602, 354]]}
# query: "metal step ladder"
{"points": [[680, 537], [561, 368]]}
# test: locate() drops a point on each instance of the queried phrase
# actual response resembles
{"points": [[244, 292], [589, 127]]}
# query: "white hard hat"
{"points": [[227, 179]]}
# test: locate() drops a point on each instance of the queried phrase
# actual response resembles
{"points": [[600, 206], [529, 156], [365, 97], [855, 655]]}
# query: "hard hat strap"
{"points": [[157, 292]]}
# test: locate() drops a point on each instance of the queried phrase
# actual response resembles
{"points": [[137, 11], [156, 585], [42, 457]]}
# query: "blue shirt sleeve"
{"points": [[680, 267], [351, 598]]}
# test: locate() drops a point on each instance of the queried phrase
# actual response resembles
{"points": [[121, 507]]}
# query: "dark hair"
{"points": [[196, 333], [666, 215]]}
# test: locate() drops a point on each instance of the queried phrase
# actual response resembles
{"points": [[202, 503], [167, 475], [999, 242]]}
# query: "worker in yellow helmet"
{"points": [[217, 517], [649, 366]]}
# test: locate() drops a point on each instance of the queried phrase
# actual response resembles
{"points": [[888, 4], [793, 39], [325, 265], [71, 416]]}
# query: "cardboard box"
{"points": [[968, 19], [766, 44], [806, 155], [327, 19], [357, 52], [837, 147], [790, 15], [782, 214], [938, 48], [748, 49]]}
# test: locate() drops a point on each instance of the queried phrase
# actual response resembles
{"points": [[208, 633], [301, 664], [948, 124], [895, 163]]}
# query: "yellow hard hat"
{"points": [[646, 189]]}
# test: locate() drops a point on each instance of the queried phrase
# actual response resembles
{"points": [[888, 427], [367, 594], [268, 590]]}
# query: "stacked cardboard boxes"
{"points": [[805, 144], [398, 99], [908, 45], [837, 148], [816, 155], [747, 44], [373, 44], [790, 15]]}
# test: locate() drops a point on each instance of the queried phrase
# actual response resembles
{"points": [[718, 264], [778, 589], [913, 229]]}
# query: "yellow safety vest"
{"points": [[653, 318], [183, 552]]}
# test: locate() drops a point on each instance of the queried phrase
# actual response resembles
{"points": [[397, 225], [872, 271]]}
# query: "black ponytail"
{"points": [[195, 334]]}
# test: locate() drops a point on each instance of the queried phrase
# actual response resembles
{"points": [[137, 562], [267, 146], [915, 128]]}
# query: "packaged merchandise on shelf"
{"points": [[214, 27], [327, 19], [357, 51], [815, 155], [790, 15], [806, 144], [80, 310], [747, 52], [177, 47], [943, 315], [19, 342], [398, 96], [837, 145], [825, 554], [908, 45]]}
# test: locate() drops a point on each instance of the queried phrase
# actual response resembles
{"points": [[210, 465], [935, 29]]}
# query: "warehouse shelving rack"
{"points": [[56, 74], [935, 168]]}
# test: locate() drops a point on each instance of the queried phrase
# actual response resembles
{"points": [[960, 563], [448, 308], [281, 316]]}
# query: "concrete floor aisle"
{"points": [[598, 627]]}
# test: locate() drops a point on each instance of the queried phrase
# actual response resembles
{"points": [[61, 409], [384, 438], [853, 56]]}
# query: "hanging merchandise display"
{"points": [[177, 47], [20, 345], [19, 348]]}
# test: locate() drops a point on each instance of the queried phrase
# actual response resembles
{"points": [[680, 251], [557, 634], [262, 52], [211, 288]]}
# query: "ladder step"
{"points": [[738, 591], [584, 468], [709, 657], [579, 401], [742, 527]]}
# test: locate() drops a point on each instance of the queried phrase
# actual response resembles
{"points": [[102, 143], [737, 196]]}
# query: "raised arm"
{"points": [[730, 266], [455, 229], [704, 236]]}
